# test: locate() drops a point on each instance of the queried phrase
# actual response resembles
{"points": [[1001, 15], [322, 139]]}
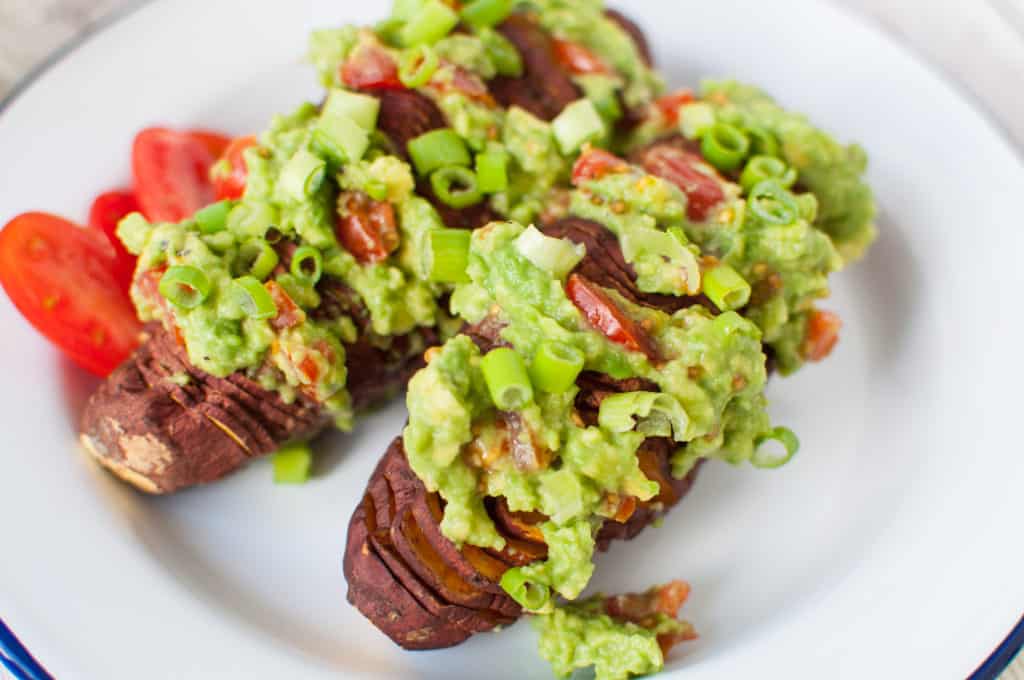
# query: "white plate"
{"points": [[889, 548]]}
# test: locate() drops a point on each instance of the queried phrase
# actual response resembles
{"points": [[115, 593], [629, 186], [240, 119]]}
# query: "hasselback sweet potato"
{"points": [[438, 595]]}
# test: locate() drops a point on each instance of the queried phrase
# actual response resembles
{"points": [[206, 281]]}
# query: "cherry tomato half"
{"points": [[577, 59], [604, 315], [370, 68], [107, 210], [171, 171], [689, 172], [230, 174], [61, 278], [215, 142], [595, 164]]}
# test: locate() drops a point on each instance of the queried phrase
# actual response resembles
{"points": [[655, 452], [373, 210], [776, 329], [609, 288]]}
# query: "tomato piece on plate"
{"points": [[61, 278], [368, 229], [230, 174], [604, 315], [595, 164], [370, 68], [822, 335], [689, 172], [215, 142], [670, 104], [107, 210], [578, 59], [171, 171]]}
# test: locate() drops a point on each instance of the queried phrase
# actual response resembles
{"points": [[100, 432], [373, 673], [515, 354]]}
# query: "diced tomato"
{"points": [[595, 164], [367, 228], [605, 316], [669, 105], [689, 172], [309, 369], [822, 335], [230, 174], [171, 171], [107, 210], [370, 68], [215, 142], [289, 314], [62, 279], [578, 59]]}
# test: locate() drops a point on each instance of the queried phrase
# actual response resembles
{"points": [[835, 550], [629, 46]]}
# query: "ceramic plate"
{"points": [[890, 547]]}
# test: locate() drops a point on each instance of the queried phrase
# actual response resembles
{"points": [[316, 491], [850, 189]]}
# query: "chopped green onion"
{"points": [[376, 189], [695, 119], [361, 109], [530, 596], [576, 125], [433, 21], [438, 149], [214, 218], [504, 55], [507, 379], [341, 139], [388, 31], [456, 186], [765, 458], [724, 146], [760, 168], [654, 414], [486, 13], [256, 258], [302, 176], [307, 265], [185, 286], [726, 288], [417, 66], [292, 464], [773, 204], [558, 256], [762, 142], [603, 91], [556, 366], [253, 297], [492, 171], [447, 255]]}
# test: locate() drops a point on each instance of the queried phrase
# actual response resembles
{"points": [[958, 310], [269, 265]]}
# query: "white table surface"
{"points": [[978, 44]]}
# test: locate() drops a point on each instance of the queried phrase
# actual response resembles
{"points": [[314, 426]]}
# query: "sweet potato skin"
{"points": [[162, 424]]}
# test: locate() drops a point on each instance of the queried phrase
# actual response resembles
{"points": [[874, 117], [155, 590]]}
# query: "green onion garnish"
{"points": [[292, 464], [403, 10], [726, 288], [764, 457], [438, 149], [307, 265], [256, 258], [433, 21], [724, 146], [361, 109], [340, 138], [507, 379], [492, 171], [760, 168], [557, 256], [504, 55], [556, 366], [762, 142], [773, 204], [576, 125], [530, 596], [302, 176], [447, 255], [456, 186], [486, 13], [185, 286], [253, 297], [214, 218], [417, 66]]}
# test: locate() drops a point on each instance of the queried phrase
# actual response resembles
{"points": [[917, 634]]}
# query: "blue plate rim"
{"points": [[16, 657]]}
